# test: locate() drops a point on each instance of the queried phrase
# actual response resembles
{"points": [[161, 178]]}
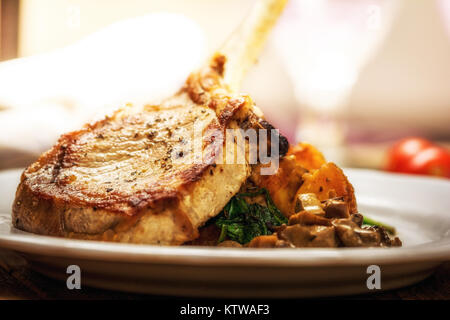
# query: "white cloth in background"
{"points": [[137, 60]]}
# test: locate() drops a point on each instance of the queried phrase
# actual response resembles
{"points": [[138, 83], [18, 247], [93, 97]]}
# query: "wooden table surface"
{"points": [[18, 281]]}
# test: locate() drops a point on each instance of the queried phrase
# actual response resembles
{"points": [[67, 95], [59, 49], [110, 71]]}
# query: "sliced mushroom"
{"points": [[352, 235], [336, 208], [307, 218], [308, 202], [309, 236], [271, 241], [357, 218]]}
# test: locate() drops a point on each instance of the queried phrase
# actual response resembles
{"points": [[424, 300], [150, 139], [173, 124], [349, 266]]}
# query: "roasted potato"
{"points": [[270, 241], [282, 185], [307, 156], [305, 170], [327, 182], [308, 218]]}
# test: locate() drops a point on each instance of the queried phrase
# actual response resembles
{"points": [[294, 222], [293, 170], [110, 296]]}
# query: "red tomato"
{"points": [[433, 161], [402, 152], [419, 156]]}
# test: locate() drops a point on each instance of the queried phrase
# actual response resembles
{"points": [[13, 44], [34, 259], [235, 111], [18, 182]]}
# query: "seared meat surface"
{"points": [[134, 176], [140, 175]]}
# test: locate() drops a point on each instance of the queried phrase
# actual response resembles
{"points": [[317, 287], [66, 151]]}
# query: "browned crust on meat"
{"points": [[48, 202], [65, 153], [59, 195], [43, 216], [34, 213]]}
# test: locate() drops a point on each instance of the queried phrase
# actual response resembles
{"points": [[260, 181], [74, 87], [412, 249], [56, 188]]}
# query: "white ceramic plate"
{"points": [[418, 207]]}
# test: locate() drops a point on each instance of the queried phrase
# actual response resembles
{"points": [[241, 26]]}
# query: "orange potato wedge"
{"points": [[282, 185], [307, 156], [327, 182]]}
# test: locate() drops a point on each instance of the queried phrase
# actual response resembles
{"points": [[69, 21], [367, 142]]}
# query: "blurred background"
{"points": [[349, 76]]}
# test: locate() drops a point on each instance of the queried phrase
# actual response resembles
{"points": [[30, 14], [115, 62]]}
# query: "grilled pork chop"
{"points": [[135, 176]]}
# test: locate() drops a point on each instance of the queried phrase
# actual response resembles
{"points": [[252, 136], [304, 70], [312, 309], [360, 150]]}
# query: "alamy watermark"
{"points": [[374, 280], [74, 280]]}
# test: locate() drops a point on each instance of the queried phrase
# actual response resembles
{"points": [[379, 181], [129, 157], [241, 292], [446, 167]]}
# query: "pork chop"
{"points": [[135, 176]]}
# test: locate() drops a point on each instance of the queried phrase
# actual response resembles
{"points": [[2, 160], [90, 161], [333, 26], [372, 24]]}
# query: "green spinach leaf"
{"points": [[241, 221]]}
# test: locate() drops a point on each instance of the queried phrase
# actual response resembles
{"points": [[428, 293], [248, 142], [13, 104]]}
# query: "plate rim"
{"points": [[34, 244], [435, 251]]}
